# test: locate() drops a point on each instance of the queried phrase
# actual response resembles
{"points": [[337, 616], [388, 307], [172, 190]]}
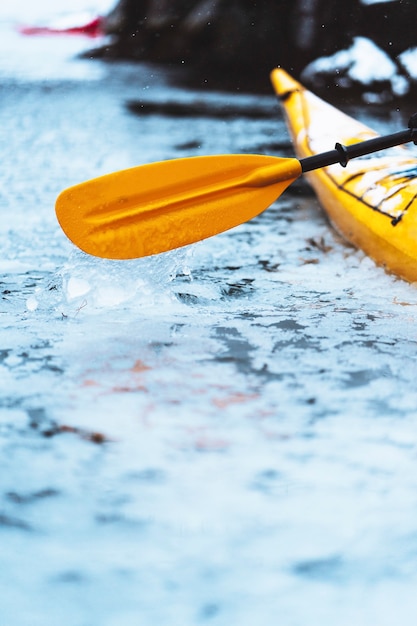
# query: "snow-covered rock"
{"points": [[364, 66]]}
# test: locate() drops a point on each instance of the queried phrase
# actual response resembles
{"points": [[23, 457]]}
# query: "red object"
{"points": [[92, 28]]}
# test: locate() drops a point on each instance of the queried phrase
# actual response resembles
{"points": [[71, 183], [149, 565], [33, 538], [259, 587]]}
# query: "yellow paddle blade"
{"points": [[161, 206]]}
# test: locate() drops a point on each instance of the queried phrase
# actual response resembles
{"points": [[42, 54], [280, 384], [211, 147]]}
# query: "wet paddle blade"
{"points": [[153, 208]]}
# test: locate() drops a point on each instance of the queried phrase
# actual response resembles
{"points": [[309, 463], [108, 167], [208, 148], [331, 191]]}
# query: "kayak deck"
{"points": [[372, 201]]}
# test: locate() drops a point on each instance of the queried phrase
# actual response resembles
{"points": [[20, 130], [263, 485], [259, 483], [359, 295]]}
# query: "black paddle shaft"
{"points": [[343, 154]]}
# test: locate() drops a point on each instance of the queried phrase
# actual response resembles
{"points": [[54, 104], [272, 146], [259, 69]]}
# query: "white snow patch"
{"points": [[364, 62], [368, 62], [408, 60], [42, 9]]}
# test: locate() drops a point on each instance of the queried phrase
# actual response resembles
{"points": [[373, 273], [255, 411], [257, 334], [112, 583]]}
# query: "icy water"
{"points": [[220, 435]]}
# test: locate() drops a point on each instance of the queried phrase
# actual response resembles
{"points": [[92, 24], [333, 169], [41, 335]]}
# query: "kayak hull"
{"points": [[373, 201]]}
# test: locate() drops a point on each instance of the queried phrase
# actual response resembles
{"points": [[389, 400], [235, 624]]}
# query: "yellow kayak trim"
{"points": [[373, 201]]}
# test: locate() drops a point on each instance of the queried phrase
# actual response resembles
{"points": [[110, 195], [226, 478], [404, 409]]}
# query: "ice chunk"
{"points": [[77, 287]]}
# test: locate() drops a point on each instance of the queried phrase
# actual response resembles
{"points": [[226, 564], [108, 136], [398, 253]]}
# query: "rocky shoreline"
{"points": [[364, 47]]}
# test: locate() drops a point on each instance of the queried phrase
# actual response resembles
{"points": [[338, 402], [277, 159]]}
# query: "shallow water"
{"points": [[223, 434]]}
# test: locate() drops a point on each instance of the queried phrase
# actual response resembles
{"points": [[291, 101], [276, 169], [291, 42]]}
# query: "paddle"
{"points": [[160, 206]]}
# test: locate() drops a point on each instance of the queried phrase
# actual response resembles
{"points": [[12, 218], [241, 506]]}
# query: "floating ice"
{"points": [[77, 287], [222, 434]]}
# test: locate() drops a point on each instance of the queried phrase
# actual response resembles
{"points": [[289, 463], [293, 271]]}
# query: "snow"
{"points": [[222, 434], [408, 60], [28, 11], [363, 63]]}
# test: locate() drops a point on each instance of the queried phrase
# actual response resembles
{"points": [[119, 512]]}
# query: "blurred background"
{"points": [[356, 46]]}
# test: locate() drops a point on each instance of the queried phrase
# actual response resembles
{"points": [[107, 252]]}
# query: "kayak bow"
{"points": [[372, 202]]}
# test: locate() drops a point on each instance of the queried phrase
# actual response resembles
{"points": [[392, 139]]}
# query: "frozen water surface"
{"points": [[224, 434]]}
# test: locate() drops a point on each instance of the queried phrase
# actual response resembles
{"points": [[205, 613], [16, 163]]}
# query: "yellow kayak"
{"points": [[372, 201]]}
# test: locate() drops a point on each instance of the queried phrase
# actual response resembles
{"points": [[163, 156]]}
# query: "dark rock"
{"points": [[235, 43], [391, 25]]}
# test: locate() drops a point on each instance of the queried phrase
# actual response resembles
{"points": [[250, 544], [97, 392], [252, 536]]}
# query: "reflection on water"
{"points": [[222, 433]]}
